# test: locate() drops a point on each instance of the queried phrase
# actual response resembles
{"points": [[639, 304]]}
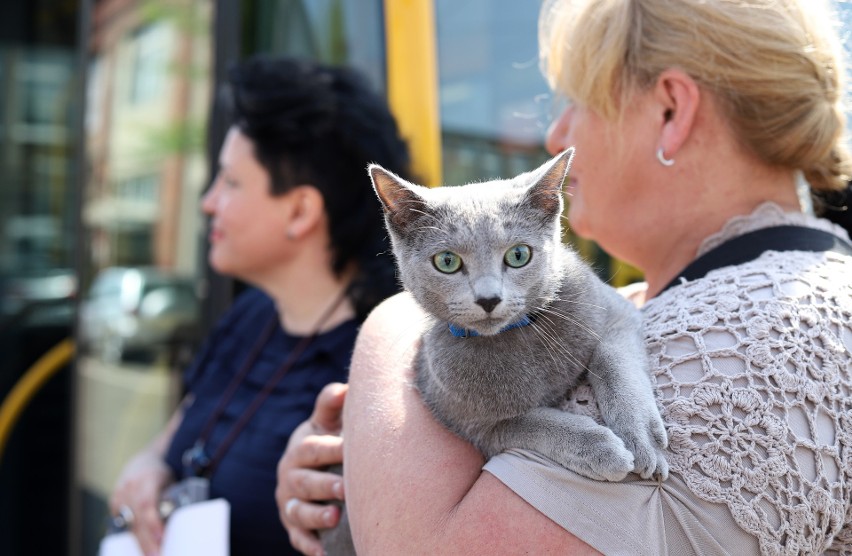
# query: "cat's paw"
{"points": [[647, 439], [599, 455]]}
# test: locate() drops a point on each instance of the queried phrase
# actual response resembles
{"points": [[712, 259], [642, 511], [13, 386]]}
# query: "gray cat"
{"points": [[518, 321]]}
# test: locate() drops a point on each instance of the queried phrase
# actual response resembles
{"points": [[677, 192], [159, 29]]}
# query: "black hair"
{"points": [[322, 125]]}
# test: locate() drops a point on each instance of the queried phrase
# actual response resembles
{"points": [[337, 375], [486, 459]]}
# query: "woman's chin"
{"points": [[219, 263], [577, 224]]}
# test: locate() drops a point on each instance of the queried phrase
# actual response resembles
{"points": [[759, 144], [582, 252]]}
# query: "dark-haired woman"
{"points": [[293, 214]]}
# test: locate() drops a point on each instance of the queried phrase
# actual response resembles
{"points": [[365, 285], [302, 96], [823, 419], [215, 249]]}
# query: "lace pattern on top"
{"points": [[753, 370], [765, 215]]}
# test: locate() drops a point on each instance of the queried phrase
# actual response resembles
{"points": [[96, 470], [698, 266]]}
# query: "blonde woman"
{"points": [[693, 123]]}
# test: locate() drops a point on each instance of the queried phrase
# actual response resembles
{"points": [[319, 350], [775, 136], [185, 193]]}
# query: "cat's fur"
{"points": [[502, 389]]}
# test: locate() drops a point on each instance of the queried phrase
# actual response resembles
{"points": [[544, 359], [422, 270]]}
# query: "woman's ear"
{"points": [[307, 210], [678, 97]]}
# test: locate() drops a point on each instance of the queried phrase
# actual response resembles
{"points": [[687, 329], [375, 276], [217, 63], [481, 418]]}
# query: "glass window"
{"points": [[43, 79], [495, 104], [39, 103], [144, 189], [147, 106], [152, 51], [333, 31], [490, 82]]}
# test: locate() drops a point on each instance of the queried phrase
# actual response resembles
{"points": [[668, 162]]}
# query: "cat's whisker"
{"points": [[583, 304], [551, 341], [566, 315], [575, 301], [570, 319], [549, 333], [552, 345]]}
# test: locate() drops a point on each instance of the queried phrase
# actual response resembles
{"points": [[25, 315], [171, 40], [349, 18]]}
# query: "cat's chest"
{"points": [[506, 373]]}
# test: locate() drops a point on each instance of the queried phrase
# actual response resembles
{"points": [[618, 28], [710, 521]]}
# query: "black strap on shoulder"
{"points": [[749, 246]]}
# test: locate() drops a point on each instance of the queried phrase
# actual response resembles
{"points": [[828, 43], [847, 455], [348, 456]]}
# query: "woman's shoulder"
{"points": [[391, 329], [240, 325], [394, 311], [776, 287]]}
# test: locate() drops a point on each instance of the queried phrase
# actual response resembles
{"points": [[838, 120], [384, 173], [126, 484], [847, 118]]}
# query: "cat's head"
{"points": [[479, 256]]}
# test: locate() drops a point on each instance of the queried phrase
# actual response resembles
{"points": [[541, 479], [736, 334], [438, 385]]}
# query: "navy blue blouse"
{"points": [[246, 474]]}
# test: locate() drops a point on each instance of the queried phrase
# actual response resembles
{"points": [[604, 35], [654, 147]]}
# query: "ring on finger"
{"points": [[290, 506], [125, 517]]}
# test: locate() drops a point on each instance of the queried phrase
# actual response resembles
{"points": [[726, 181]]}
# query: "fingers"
{"points": [[309, 484], [307, 518], [302, 519], [301, 471], [305, 542], [315, 452], [303, 477], [139, 488], [326, 417], [146, 523], [148, 529]]}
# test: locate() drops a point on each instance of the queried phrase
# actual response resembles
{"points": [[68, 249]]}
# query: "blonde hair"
{"points": [[774, 66]]}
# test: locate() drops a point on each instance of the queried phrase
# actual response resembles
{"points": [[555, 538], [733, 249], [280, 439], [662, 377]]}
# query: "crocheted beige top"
{"points": [[753, 371]]}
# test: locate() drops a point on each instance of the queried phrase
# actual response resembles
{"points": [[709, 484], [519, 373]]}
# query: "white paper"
{"points": [[197, 529], [120, 544], [201, 528]]}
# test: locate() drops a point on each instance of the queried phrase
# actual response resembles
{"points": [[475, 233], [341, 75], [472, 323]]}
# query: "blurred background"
{"points": [[108, 138]]}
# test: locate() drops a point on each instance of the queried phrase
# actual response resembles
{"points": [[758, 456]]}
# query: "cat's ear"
{"points": [[546, 193], [403, 206]]}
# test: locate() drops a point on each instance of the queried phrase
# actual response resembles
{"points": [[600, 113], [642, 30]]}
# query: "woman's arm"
{"points": [[411, 485], [141, 482]]}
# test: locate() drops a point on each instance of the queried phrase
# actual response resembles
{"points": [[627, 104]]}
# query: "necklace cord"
{"points": [[261, 397]]}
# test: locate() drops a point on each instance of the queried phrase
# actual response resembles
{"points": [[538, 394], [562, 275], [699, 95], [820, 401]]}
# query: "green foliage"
{"points": [[181, 137], [186, 135], [182, 14]]}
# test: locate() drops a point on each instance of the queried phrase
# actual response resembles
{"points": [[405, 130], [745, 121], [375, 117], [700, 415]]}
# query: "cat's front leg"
{"points": [[574, 441], [618, 373]]}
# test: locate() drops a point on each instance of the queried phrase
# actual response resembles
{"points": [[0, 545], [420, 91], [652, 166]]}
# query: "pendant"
{"points": [[195, 460]]}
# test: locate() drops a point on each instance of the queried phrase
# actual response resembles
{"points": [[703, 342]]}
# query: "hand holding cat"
{"points": [[313, 446]]}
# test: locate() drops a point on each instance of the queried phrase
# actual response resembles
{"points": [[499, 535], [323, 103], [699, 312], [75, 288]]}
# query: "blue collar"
{"points": [[459, 332]]}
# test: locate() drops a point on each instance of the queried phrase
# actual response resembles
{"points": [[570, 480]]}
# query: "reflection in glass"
{"points": [[495, 103], [491, 90], [333, 31], [147, 108]]}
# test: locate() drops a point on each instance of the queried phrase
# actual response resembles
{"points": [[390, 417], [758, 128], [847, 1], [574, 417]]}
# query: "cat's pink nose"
{"points": [[488, 303]]}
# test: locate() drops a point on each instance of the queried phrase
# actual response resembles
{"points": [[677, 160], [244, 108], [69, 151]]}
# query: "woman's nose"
{"points": [[556, 139], [208, 200]]}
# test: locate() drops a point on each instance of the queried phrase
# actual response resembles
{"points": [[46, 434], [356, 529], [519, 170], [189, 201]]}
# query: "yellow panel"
{"points": [[413, 83]]}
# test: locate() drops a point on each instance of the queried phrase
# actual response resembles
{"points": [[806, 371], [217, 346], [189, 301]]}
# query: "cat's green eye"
{"points": [[447, 262], [518, 256]]}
